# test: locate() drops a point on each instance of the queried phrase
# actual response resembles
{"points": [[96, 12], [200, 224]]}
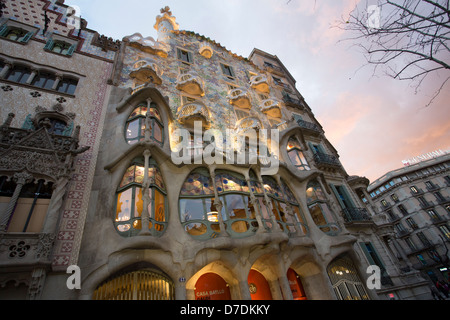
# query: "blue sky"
{"points": [[374, 122]]}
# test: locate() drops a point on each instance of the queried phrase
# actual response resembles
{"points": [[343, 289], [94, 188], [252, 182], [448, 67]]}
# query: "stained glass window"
{"points": [[130, 200], [136, 124]]}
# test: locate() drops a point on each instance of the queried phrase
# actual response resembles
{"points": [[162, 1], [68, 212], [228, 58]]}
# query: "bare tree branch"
{"points": [[411, 40]]}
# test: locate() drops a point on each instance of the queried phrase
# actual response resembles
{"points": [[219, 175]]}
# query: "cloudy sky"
{"points": [[373, 121]]}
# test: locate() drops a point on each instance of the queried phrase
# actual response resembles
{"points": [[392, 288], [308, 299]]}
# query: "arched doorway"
{"points": [[346, 282], [145, 284], [258, 286], [211, 286], [296, 285]]}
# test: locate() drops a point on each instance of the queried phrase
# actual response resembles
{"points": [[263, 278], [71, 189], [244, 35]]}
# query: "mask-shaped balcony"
{"points": [[191, 112], [271, 107], [206, 50], [145, 71], [260, 83], [239, 97], [191, 83], [247, 124]]}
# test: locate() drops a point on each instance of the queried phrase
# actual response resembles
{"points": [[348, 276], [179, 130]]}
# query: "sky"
{"points": [[372, 120]]}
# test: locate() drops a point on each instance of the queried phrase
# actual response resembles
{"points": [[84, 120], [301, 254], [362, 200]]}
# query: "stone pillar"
{"points": [[57, 81], [254, 201], [148, 125], [244, 290], [8, 66], [33, 74], [56, 202], [268, 204], [145, 218], [218, 204], [21, 179]]}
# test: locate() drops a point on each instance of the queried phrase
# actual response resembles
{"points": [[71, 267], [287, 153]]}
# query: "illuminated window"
{"points": [[319, 209], [287, 211], [296, 155], [136, 125], [130, 200]]}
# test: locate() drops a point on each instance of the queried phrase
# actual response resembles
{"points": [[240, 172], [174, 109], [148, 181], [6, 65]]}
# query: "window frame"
{"points": [[133, 218], [141, 122]]}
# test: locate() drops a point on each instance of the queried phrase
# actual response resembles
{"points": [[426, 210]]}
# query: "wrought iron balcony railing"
{"points": [[356, 214], [326, 159]]}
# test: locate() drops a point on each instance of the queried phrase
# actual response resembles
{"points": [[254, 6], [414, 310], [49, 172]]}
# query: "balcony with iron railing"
{"points": [[356, 215], [293, 102], [324, 160], [239, 97], [191, 83], [309, 127], [260, 83]]}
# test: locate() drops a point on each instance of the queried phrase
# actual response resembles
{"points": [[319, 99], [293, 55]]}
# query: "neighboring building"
{"points": [[53, 93], [204, 229], [416, 200]]}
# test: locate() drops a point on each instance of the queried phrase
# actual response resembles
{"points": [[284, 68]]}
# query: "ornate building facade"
{"points": [[113, 199]]}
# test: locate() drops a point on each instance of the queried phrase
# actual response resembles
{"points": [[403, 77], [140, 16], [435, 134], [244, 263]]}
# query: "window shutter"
{"points": [[178, 54], [27, 37], [49, 45], [190, 57], [3, 30], [336, 193], [71, 50]]}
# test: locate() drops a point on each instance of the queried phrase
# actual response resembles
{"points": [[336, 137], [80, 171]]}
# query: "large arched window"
{"points": [[136, 124], [198, 213], [296, 155], [319, 209], [238, 211], [280, 207], [130, 200]]}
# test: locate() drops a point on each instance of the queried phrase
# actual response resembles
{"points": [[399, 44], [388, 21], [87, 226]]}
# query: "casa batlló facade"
{"points": [[92, 133]]}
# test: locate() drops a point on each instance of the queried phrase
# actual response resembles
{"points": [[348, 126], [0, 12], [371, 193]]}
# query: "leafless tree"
{"points": [[408, 39]]}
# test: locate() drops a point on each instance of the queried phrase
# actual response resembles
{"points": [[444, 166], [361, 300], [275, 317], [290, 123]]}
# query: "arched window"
{"points": [[296, 155], [238, 211], [136, 124], [319, 209], [346, 282], [198, 213], [130, 200], [280, 207]]}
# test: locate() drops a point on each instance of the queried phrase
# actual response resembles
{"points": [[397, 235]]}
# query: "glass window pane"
{"points": [[132, 130], [157, 132], [235, 206], [160, 214], [123, 211], [191, 209]]}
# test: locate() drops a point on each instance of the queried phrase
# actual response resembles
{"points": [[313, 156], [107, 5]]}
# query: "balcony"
{"points": [[326, 161], [425, 204], [273, 68], [309, 127], [239, 97], [293, 102], [271, 107], [206, 50], [356, 215], [146, 72], [248, 124], [191, 83], [437, 220], [260, 83], [189, 113]]}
